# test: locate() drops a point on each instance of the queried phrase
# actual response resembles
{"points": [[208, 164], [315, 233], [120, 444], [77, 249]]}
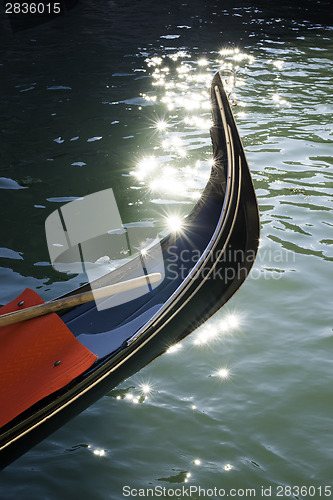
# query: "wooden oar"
{"points": [[75, 300]]}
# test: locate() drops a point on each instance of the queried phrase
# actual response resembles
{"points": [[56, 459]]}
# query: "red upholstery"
{"points": [[28, 353]]}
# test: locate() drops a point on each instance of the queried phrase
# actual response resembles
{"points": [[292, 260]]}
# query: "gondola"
{"points": [[223, 231]]}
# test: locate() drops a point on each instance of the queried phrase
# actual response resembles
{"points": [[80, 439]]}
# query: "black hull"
{"points": [[228, 206]]}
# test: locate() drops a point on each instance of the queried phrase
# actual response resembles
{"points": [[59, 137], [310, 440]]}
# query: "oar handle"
{"points": [[75, 300]]}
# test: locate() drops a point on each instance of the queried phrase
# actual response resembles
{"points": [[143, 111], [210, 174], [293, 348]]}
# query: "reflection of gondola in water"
{"points": [[204, 264]]}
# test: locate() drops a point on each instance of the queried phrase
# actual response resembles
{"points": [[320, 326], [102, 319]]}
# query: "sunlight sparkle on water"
{"points": [[195, 195], [99, 453], [147, 164], [205, 335], [145, 167], [161, 125], [231, 321], [134, 399], [146, 388], [168, 184], [175, 223], [223, 373], [149, 98], [179, 55], [237, 55], [279, 100], [183, 68], [180, 85], [174, 348], [203, 62], [154, 61], [216, 330], [173, 141], [240, 56], [278, 64], [198, 122], [228, 52]]}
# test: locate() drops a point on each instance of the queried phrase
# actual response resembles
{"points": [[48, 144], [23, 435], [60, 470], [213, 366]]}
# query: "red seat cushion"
{"points": [[29, 358]]}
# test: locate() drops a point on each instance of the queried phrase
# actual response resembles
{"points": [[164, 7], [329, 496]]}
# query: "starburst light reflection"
{"points": [[99, 453], [146, 389], [145, 168], [180, 84], [205, 335], [161, 125], [223, 373], [231, 322], [174, 348], [175, 223]]}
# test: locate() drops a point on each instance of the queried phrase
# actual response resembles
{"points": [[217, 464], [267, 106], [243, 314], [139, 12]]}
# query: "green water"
{"points": [[244, 405]]}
